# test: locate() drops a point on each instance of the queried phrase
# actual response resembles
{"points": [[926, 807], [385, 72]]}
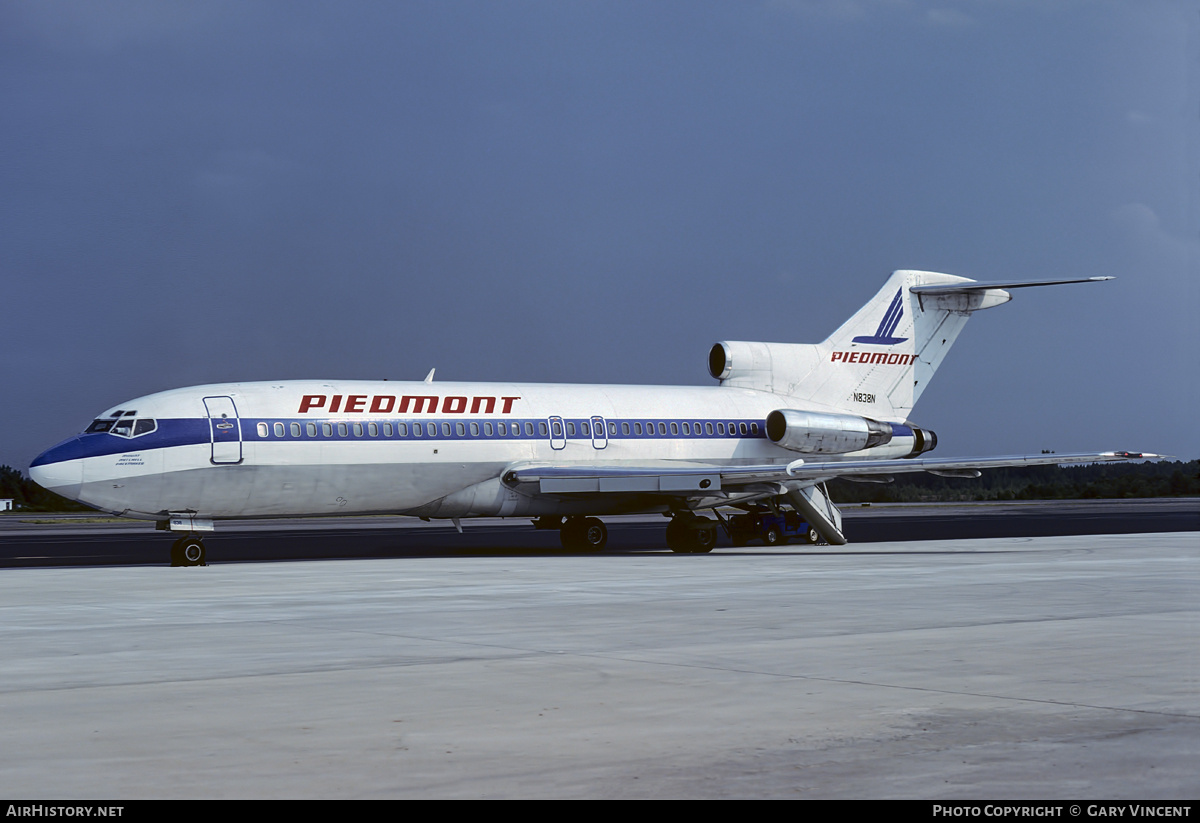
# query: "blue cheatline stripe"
{"points": [[195, 431], [177, 432]]}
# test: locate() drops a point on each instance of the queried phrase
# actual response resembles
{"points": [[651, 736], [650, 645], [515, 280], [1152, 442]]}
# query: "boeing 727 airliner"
{"points": [[786, 418]]}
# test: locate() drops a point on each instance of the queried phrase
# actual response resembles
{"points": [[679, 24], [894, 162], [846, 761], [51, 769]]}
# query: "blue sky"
{"points": [[597, 192]]}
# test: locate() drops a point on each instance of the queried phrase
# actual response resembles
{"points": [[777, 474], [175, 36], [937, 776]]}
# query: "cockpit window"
{"points": [[123, 426]]}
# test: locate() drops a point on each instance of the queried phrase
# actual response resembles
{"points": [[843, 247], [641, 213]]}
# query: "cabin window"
{"points": [[311, 428], [387, 429], [327, 430], [460, 429], [542, 429], [488, 429], [445, 430], [637, 428], [373, 429], [720, 428], [570, 428], [708, 429], [342, 430], [754, 428], [279, 430], [687, 429], [502, 429], [402, 428], [263, 431], [662, 428], [430, 429], [742, 428], [416, 429], [529, 430], [674, 429], [474, 429], [587, 432], [624, 428], [295, 427]]}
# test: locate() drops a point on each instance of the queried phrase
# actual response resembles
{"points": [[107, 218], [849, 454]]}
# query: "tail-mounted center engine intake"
{"points": [[820, 433]]}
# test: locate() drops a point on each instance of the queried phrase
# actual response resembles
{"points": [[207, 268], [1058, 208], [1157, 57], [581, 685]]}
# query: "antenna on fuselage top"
{"points": [[429, 377]]}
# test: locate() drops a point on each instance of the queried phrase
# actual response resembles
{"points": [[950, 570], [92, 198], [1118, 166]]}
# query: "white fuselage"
{"points": [[434, 449]]}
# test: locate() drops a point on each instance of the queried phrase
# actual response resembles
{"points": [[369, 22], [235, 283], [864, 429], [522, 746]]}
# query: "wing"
{"points": [[683, 479], [699, 485]]}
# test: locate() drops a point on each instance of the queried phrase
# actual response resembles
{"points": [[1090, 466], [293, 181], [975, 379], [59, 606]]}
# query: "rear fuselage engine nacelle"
{"points": [[824, 433]]}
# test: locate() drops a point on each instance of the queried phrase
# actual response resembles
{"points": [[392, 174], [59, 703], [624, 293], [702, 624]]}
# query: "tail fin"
{"points": [[881, 359]]}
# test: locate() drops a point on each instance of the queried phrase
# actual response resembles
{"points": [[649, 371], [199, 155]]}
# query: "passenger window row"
{"points": [[507, 429]]}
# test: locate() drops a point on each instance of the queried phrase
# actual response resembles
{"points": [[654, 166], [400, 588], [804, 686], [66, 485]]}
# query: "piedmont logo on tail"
{"points": [[891, 319], [784, 419]]}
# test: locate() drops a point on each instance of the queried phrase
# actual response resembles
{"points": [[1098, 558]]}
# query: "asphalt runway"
{"points": [[73, 540], [1000, 668]]}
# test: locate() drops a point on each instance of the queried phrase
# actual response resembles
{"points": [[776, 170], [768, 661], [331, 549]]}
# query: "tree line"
{"points": [[1082, 482]]}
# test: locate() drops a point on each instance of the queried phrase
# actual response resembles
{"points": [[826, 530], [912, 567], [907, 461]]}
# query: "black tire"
{"points": [[774, 537], [177, 553], [677, 535], [703, 540], [593, 534], [812, 536], [571, 534], [191, 551]]}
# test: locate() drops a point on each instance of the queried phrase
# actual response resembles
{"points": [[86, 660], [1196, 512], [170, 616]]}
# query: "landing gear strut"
{"points": [[583, 534], [188, 551]]}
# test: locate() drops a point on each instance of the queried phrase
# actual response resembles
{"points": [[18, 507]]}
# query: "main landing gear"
{"points": [[689, 534], [583, 534], [188, 551]]}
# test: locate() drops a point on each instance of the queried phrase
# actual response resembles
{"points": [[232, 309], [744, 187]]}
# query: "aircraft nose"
{"points": [[59, 470]]}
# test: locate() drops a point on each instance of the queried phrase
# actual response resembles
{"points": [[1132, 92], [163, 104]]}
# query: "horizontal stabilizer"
{"points": [[974, 286]]}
